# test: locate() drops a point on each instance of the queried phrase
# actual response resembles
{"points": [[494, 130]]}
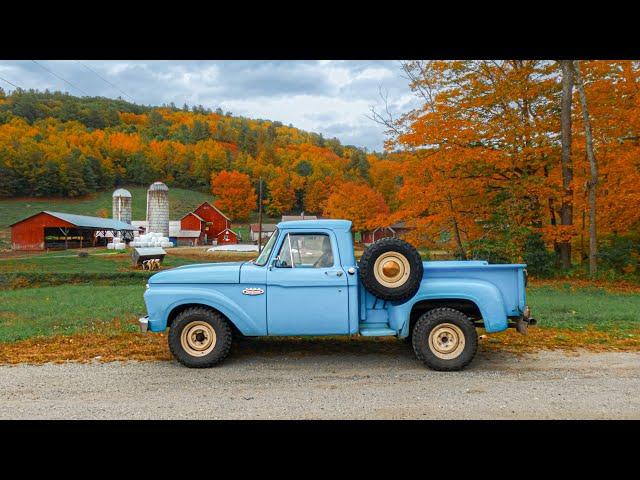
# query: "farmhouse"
{"points": [[53, 230], [395, 230], [267, 230]]}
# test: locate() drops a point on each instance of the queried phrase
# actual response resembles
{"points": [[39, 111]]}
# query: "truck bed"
{"points": [[377, 315]]}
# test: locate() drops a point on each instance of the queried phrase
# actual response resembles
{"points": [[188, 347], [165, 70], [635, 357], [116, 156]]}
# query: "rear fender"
{"points": [[486, 296]]}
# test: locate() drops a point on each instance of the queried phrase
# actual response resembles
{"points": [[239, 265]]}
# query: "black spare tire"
{"points": [[391, 269]]}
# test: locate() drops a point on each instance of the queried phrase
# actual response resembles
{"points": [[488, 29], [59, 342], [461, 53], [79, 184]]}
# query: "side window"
{"points": [[306, 250]]}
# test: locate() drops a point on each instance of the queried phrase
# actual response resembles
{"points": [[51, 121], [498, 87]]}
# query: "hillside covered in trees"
{"points": [[55, 144]]}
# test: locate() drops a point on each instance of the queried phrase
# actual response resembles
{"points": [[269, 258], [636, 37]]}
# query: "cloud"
{"points": [[326, 96]]}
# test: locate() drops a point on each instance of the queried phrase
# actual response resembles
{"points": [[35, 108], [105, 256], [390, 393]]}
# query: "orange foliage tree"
{"points": [[281, 192], [234, 194], [359, 203]]}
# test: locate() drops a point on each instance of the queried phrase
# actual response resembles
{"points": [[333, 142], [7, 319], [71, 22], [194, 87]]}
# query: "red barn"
{"points": [[192, 221], [215, 222], [227, 236], [63, 230]]}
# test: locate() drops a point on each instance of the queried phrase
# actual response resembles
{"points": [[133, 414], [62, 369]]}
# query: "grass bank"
{"points": [[566, 316]]}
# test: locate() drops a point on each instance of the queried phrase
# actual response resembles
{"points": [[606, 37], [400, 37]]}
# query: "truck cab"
{"points": [[306, 281]]}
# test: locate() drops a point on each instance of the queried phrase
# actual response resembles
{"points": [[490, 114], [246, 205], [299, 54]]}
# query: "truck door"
{"points": [[307, 290]]}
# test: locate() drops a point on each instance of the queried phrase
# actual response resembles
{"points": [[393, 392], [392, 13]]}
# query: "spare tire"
{"points": [[391, 269]]}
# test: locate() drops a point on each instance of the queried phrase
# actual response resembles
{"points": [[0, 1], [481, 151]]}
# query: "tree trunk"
{"points": [[593, 165], [456, 231], [566, 209]]}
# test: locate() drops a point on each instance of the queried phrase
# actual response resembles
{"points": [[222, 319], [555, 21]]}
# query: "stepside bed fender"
{"points": [[485, 295], [162, 301]]}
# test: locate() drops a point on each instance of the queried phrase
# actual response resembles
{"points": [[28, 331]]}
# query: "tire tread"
{"points": [[213, 358]]}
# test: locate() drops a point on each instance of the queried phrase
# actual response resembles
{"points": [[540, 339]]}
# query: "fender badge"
{"points": [[252, 291]]}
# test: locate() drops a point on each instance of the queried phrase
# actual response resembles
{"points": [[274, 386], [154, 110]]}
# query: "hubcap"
{"points": [[446, 341], [391, 269], [198, 338]]}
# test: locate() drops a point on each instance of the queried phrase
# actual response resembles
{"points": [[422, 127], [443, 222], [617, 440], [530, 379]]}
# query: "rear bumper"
{"points": [[143, 323]]}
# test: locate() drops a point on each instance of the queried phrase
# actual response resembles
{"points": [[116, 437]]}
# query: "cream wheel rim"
{"points": [[446, 341], [391, 269], [198, 338]]}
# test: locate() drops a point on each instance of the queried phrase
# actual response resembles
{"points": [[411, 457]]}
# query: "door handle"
{"points": [[338, 273]]}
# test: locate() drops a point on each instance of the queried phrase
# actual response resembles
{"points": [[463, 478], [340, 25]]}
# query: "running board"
{"points": [[377, 332]]}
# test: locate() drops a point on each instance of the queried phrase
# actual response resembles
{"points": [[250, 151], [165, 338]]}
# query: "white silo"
{"points": [[122, 205], [158, 209]]}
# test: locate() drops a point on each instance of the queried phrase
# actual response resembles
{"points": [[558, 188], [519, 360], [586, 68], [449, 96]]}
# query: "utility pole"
{"points": [[260, 217]]}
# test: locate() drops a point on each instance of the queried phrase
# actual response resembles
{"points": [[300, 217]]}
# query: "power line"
{"points": [[58, 76], [11, 83], [105, 80]]}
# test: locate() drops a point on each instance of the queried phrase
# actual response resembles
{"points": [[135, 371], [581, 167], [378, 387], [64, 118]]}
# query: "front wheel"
{"points": [[445, 339], [200, 338]]}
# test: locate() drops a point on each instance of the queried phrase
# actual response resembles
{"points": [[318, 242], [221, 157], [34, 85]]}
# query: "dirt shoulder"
{"points": [[381, 382]]}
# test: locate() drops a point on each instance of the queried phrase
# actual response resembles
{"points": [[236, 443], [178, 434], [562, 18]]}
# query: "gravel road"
{"points": [[340, 384]]}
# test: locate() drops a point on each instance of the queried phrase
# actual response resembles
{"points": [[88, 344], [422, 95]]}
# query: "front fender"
{"points": [[485, 295], [162, 300]]}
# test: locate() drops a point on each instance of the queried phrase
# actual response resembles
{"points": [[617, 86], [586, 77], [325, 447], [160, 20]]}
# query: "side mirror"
{"points": [[279, 263]]}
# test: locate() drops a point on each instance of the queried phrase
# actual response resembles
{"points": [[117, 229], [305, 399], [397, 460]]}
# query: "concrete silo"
{"points": [[158, 209], [122, 205]]}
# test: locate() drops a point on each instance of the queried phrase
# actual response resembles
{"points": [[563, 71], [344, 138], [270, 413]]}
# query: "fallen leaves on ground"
{"points": [[574, 284], [86, 347], [562, 339]]}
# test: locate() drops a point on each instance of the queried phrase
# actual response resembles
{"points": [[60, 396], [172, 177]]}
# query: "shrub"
{"points": [[540, 261], [619, 253]]}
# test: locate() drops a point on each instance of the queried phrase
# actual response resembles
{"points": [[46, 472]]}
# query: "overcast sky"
{"points": [[328, 97]]}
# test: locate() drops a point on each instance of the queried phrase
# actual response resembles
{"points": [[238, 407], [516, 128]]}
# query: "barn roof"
{"points": [[226, 230], [84, 221], [194, 214], [214, 207]]}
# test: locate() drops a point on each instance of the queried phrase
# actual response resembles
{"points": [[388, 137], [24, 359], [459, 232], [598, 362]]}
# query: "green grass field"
{"points": [[65, 309], [99, 260], [582, 308]]}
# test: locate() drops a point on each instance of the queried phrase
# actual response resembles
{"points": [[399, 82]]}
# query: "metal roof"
{"points": [[266, 227], [290, 218], [174, 229], [91, 222]]}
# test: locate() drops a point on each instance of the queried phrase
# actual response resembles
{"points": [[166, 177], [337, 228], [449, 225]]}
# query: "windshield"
{"points": [[266, 251]]}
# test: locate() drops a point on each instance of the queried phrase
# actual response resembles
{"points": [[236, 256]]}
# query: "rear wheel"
{"points": [[200, 338], [445, 339]]}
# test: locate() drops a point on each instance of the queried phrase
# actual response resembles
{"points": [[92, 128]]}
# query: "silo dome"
{"points": [[158, 209], [122, 205], [121, 192]]}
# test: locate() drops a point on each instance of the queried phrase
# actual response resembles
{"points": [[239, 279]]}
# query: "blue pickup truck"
{"points": [[306, 281]]}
